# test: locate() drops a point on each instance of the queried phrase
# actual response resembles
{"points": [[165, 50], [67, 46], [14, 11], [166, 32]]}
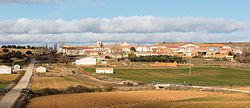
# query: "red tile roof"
{"points": [[158, 52], [83, 47], [173, 47]]}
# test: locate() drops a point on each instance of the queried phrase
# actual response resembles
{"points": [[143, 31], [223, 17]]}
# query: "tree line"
{"points": [[19, 47], [159, 58], [7, 58]]}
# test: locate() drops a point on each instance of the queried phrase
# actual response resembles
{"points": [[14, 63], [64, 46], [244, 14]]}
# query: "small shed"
{"points": [[86, 61], [105, 70], [41, 69], [5, 69], [17, 67]]}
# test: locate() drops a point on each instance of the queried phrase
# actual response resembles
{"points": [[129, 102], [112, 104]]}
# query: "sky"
{"points": [[137, 21]]}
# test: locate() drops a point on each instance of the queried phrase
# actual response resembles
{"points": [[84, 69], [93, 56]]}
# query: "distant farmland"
{"points": [[209, 76], [58, 83], [143, 99]]}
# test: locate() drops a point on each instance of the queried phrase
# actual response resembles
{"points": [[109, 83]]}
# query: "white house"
{"points": [[5, 70], [189, 45], [41, 69], [226, 47], [86, 61], [142, 49], [142, 54], [104, 70]]}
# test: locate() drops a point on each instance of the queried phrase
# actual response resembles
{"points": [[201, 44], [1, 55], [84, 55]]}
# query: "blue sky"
{"points": [[102, 10], [78, 9]]}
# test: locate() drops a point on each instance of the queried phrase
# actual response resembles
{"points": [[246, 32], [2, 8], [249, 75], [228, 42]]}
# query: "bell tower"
{"points": [[99, 43]]}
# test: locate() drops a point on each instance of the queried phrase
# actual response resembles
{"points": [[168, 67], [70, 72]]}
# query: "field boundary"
{"points": [[199, 88]]}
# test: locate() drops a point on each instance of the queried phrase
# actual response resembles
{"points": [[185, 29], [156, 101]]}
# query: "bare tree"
{"points": [[116, 50], [244, 57]]}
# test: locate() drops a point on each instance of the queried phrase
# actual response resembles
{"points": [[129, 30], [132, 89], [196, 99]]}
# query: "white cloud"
{"points": [[137, 29], [25, 1], [130, 37], [134, 24]]}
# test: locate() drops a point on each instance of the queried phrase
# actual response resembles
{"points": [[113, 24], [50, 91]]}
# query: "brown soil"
{"points": [[113, 99]]}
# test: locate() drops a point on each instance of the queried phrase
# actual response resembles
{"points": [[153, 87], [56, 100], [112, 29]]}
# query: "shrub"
{"points": [[4, 46], [5, 50], [108, 89], [47, 91], [160, 58], [29, 53]]}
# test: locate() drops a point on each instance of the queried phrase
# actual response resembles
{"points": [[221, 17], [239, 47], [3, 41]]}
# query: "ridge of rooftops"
{"points": [[136, 46]]}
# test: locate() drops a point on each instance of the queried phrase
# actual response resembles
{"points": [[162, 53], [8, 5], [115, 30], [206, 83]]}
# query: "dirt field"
{"points": [[141, 99], [242, 88], [8, 77], [58, 83]]}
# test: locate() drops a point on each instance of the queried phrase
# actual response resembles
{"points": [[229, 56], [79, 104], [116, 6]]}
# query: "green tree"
{"points": [[133, 49], [29, 53], [9, 46], [5, 50], [4, 46]]}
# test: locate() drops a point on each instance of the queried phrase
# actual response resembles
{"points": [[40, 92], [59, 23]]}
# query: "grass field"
{"points": [[8, 77], [58, 83], [142, 99], [209, 76], [4, 85]]}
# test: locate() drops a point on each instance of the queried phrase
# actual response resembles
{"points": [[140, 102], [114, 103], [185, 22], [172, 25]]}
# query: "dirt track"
{"points": [[10, 98]]}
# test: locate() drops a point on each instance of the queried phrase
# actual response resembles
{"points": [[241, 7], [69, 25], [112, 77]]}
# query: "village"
{"points": [[119, 67], [122, 50], [124, 54]]}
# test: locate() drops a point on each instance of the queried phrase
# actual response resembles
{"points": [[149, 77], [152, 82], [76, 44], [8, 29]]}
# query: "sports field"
{"points": [[209, 76]]}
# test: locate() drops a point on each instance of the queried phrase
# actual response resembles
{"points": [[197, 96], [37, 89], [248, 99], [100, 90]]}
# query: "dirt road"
{"points": [[10, 98]]}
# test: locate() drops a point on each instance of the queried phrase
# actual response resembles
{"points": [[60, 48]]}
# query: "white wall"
{"points": [[104, 71], [5, 70], [41, 69], [86, 61]]}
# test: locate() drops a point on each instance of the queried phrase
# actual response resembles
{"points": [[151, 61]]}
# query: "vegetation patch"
{"points": [[160, 58], [8, 77], [3, 85]]}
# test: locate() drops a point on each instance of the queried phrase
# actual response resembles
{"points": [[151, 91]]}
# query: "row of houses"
{"points": [[8, 70], [184, 50]]}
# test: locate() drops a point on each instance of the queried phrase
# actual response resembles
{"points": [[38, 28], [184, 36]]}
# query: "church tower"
{"points": [[99, 43]]}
